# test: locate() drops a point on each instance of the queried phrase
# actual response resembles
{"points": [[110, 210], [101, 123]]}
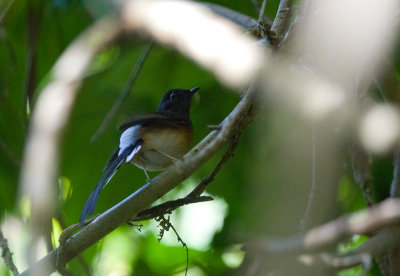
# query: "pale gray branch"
{"points": [[102, 225], [41, 157], [236, 62], [364, 222], [281, 19], [337, 262], [232, 57], [54, 105], [384, 241], [262, 11]]}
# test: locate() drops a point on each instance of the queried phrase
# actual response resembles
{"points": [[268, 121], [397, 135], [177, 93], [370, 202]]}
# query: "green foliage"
{"points": [[241, 184], [81, 159]]}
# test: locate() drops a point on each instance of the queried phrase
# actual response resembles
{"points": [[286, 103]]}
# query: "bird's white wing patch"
{"points": [[135, 150], [128, 138]]}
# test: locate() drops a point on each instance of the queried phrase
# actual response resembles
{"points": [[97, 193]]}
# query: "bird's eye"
{"points": [[172, 96]]}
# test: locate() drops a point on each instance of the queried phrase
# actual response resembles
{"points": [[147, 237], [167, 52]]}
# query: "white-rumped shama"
{"points": [[151, 142]]}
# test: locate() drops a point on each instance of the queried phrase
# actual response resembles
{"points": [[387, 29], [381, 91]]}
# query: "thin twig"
{"points": [[262, 12], [337, 262], [184, 245], [208, 179], [362, 173], [7, 255], [34, 17], [6, 11], [166, 225], [168, 207], [311, 196], [395, 186], [380, 89], [132, 78], [240, 19]]}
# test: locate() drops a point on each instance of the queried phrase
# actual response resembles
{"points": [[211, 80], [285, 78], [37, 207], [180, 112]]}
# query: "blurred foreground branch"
{"points": [[365, 222], [51, 113], [316, 250], [236, 61], [55, 102]]}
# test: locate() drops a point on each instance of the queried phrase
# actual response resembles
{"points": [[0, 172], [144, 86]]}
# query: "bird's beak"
{"points": [[194, 89]]}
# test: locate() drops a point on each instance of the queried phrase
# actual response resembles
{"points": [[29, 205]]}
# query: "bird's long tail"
{"points": [[111, 169]]}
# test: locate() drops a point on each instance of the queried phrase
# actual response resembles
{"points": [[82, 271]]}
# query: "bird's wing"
{"points": [[155, 119], [116, 160]]}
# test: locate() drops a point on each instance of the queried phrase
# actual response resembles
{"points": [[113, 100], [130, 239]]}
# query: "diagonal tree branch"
{"points": [[207, 180], [54, 104], [140, 16], [102, 225]]}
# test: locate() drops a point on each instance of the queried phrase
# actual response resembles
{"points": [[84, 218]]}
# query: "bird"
{"points": [[151, 141]]}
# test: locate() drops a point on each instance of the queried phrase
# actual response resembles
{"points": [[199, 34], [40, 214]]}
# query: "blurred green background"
{"points": [[245, 190]]}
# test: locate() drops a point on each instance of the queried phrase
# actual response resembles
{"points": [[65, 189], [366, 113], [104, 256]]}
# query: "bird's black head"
{"points": [[176, 103]]}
